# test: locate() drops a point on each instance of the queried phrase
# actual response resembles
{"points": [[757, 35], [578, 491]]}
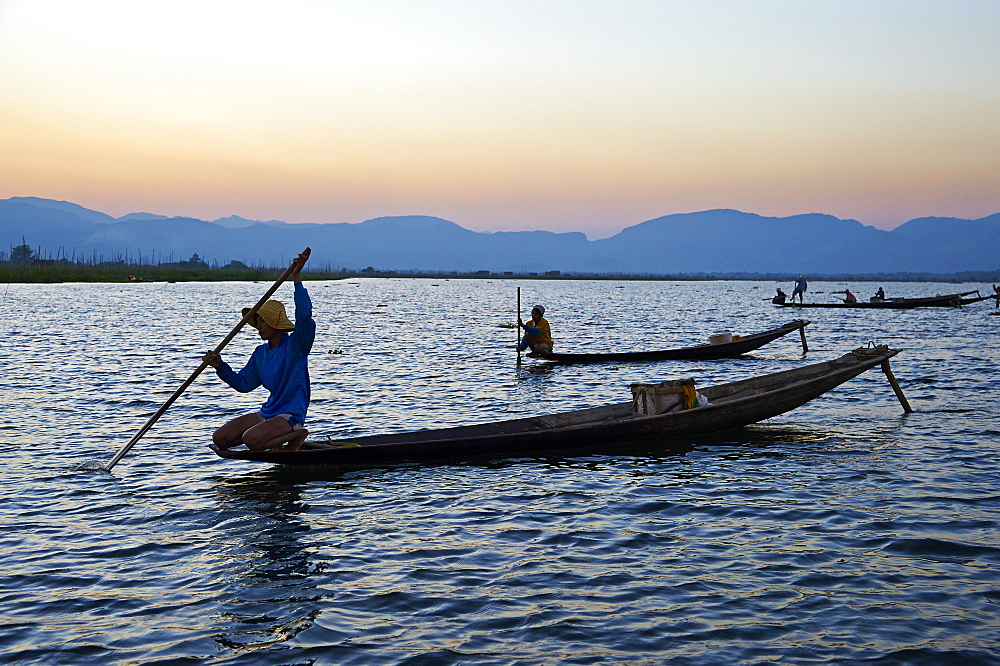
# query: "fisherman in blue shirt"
{"points": [[800, 288], [281, 366]]}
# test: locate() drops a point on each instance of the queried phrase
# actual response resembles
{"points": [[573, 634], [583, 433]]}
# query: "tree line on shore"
{"points": [[26, 264]]}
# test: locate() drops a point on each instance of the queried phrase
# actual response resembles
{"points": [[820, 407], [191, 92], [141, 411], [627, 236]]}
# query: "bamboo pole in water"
{"points": [[895, 387], [517, 328]]}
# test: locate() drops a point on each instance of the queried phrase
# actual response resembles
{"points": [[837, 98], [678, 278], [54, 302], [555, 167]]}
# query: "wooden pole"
{"points": [[802, 334], [517, 328], [895, 387], [232, 334]]}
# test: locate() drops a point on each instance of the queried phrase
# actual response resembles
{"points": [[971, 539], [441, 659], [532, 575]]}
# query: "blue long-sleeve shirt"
{"points": [[283, 370]]}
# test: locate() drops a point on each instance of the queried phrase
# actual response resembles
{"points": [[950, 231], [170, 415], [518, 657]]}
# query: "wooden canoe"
{"points": [[706, 352], [979, 297], [946, 301], [732, 405]]}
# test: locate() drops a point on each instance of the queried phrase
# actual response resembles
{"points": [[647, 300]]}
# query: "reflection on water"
{"points": [[259, 533], [840, 532]]}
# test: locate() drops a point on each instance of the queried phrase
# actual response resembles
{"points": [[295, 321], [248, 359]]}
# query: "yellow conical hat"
{"points": [[273, 312]]}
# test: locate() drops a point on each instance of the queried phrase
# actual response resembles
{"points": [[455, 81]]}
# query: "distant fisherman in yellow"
{"points": [[537, 336]]}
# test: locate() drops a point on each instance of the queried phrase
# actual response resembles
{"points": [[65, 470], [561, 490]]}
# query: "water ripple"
{"points": [[843, 532]]}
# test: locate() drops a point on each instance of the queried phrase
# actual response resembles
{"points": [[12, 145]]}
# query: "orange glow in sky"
{"points": [[578, 115]]}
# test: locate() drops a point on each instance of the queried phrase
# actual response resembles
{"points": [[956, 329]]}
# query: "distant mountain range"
{"points": [[722, 242]]}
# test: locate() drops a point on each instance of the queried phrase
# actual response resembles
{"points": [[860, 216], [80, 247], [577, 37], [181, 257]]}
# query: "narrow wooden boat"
{"points": [[979, 297], [946, 301], [730, 406], [705, 352]]}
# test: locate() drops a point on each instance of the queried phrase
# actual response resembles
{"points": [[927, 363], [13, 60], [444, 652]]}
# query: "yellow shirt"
{"points": [[544, 332]]}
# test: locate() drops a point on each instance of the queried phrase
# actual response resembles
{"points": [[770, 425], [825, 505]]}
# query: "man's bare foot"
{"points": [[293, 444]]}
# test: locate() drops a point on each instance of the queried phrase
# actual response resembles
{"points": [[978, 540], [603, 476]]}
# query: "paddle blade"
{"points": [[92, 466]]}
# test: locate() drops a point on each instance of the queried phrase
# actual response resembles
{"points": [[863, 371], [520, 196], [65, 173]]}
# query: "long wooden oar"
{"points": [[232, 334]]}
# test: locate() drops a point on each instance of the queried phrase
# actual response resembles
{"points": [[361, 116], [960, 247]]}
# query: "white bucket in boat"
{"points": [[720, 338]]}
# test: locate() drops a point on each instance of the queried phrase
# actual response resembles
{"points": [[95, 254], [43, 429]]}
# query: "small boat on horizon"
{"points": [[946, 301]]}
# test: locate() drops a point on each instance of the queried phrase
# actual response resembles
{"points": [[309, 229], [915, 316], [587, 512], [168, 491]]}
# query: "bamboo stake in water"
{"points": [[517, 328], [895, 387], [232, 334]]}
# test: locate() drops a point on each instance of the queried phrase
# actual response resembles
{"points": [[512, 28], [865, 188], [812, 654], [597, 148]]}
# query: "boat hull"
{"points": [[979, 297], [732, 405], [706, 352], [947, 301]]}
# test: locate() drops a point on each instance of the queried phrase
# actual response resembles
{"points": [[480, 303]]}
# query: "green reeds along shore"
{"points": [[121, 273], [55, 271]]}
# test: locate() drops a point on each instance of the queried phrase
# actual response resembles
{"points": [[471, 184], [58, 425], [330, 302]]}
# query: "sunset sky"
{"points": [[572, 115]]}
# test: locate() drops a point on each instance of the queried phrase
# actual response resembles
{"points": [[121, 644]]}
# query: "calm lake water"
{"points": [[841, 532]]}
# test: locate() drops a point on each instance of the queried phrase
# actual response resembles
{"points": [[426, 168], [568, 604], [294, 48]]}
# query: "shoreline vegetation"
{"points": [[24, 264], [45, 273]]}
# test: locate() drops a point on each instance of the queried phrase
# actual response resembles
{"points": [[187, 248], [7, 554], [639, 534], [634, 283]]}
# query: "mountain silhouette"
{"points": [[706, 242]]}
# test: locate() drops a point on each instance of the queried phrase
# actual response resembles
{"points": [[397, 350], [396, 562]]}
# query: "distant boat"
{"points": [[730, 405], [947, 301], [978, 298], [736, 347]]}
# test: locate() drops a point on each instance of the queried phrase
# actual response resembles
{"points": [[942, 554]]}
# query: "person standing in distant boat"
{"points": [[537, 336], [849, 297], [800, 288], [779, 298], [281, 366]]}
